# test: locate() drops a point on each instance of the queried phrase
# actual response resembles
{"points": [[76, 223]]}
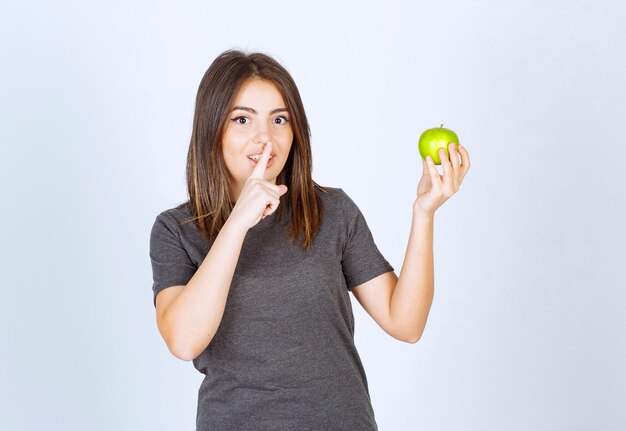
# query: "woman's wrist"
{"points": [[422, 215]]}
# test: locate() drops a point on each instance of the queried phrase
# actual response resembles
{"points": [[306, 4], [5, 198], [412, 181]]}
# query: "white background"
{"points": [[527, 326]]}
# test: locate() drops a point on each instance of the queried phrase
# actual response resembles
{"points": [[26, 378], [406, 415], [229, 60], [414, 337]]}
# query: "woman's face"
{"points": [[258, 115]]}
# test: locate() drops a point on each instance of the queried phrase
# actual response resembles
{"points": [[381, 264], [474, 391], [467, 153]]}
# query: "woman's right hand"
{"points": [[259, 198]]}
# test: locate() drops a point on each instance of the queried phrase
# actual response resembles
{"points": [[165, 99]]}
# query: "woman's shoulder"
{"points": [[335, 196], [329, 193], [337, 204], [174, 216], [340, 202]]}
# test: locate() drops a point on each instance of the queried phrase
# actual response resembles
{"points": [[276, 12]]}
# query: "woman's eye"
{"points": [[244, 120], [284, 118], [236, 120]]}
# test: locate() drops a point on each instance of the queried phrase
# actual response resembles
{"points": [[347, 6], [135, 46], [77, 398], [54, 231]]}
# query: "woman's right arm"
{"points": [[190, 320]]}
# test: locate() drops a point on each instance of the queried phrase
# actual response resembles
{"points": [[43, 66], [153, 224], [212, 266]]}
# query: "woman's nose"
{"points": [[262, 131], [262, 136]]}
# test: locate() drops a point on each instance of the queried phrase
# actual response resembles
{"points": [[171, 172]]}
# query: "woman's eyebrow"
{"points": [[245, 108]]}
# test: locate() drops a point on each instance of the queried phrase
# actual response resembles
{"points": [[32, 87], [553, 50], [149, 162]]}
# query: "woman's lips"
{"points": [[254, 162]]}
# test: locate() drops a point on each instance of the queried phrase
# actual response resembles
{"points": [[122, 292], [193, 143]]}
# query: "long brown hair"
{"points": [[208, 179]]}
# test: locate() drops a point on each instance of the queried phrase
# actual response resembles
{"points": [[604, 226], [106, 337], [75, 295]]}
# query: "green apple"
{"points": [[433, 139]]}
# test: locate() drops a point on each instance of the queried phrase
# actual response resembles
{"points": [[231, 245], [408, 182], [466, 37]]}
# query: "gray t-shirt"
{"points": [[283, 357]]}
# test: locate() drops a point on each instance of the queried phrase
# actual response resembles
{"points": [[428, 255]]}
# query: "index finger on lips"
{"points": [[259, 169]]}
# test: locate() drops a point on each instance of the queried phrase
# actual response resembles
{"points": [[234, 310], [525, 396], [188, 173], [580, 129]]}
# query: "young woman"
{"points": [[252, 274]]}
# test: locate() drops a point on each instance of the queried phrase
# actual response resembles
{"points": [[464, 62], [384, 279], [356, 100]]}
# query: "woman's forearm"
{"points": [[193, 317], [413, 295]]}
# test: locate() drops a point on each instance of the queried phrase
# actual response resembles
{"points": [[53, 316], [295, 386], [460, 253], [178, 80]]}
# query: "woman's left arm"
{"points": [[413, 294]]}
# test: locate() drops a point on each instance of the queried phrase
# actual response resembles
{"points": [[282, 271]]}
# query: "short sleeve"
{"points": [[361, 259], [171, 264]]}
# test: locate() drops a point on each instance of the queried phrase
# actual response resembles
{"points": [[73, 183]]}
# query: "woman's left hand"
{"points": [[434, 189]]}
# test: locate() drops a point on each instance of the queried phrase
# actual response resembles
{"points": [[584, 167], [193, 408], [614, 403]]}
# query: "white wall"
{"points": [[526, 328]]}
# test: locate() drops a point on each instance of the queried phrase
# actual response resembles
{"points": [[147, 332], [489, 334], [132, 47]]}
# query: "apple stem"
{"points": [[441, 126]]}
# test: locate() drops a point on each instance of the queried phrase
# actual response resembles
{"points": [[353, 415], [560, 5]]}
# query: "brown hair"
{"points": [[208, 179]]}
